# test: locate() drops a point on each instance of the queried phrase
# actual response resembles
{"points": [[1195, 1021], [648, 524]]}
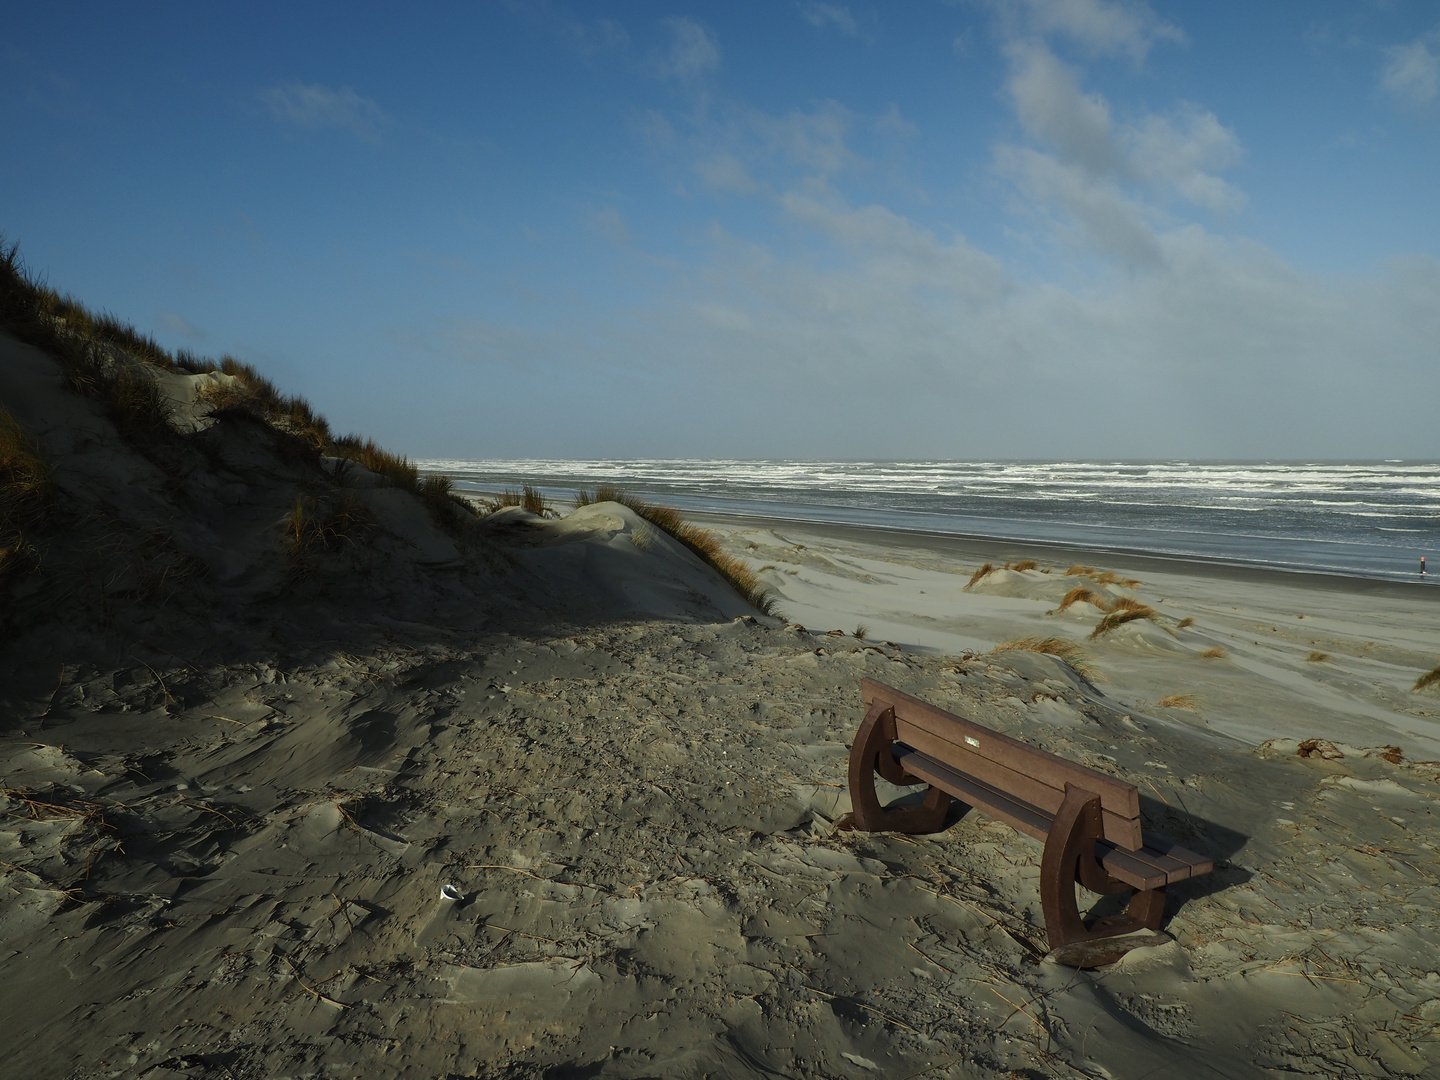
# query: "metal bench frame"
{"points": [[1088, 821]]}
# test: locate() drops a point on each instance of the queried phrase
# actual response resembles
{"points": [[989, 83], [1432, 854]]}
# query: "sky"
{"points": [[977, 229]]}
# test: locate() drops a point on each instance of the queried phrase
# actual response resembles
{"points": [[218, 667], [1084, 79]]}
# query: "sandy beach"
{"points": [[523, 797]]}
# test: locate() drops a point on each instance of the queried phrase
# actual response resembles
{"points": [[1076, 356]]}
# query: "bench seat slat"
{"points": [[1158, 863], [1014, 812], [1198, 864], [1116, 796], [1130, 867], [1120, 829]]}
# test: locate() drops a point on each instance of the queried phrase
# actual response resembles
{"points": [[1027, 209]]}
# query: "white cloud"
{"points": [[177, 325], [838, 15], [1412, 72], [1101, 27], [726, 172], [1185, 150], [1052, 107], [694, 51], [609, 224], [313, 106], [1231, 353], [1109, 179]]}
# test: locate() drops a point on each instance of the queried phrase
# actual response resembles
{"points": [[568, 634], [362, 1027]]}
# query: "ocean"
{"points": [[1363, 518]]}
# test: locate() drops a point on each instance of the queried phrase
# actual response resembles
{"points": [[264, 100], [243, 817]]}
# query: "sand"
{"points": [[249, 801]]}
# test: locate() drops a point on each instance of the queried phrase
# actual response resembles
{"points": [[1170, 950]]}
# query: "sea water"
{"points": [[1366, 518]]}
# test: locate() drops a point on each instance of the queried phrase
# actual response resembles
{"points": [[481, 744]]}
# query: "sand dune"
{"points": [[233, 805]]}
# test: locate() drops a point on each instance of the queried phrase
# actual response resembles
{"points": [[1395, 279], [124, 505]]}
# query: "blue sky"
{"points": [[1015, 228]]}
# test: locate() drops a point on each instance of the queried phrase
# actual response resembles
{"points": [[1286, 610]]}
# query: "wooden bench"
{"points": [[1089, 822]]}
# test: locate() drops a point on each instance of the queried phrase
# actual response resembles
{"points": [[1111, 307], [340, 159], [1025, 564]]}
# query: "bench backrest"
{"points": [[1025, 772]]}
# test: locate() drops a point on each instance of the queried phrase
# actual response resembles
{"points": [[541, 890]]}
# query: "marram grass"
{"points": [[739, 576], [107, 360], [1066, 650]]}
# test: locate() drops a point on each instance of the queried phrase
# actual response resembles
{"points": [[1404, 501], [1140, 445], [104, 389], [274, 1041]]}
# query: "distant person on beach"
{"points": [[1422, 565]]}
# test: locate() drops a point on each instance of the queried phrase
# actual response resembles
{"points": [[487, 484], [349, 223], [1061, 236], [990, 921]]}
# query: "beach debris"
{"points": [[451, 892], [1321, 748]]}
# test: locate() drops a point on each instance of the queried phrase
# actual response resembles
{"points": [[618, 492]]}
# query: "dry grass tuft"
{"points": [[1080, 594], [1122, 613], [1189, 620], [1066, 650], [527, 497], [1317, 657], [24, 478], [980, 575], [25, 493], [101, 358], [1177, 701], [862, 632], [739, 576], [1023, 564], [1217, 653], [1105, 577], [109, 361], [318, 525], [1429, 678]]}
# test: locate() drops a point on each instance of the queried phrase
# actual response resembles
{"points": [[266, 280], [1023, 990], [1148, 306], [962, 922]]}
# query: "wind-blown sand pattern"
{"points": [[234, 795]]}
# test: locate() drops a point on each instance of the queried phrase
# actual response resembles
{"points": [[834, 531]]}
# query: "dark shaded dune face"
{"points": [[374, 732]]}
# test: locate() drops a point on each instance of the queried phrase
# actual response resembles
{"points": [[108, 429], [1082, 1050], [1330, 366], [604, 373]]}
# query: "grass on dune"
{"points": [[1124, 612], [980, 575], [528, 497], [739, 576], [1066, 650], [1177, 701], [24, 478], [1080, 594], [1217, 653], [1430, 678], [1102, 577], [109, 361], [25, 493]]}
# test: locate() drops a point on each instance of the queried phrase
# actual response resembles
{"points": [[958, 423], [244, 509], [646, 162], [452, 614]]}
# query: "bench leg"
{"points": [[1069, 858], [870, 754]]}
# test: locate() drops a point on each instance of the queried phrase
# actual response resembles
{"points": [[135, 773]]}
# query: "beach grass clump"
{"points": [[1177, 701], [1080, 594], [980, 575], [99, 356], [24, 478], [109, 361], [1066, 650], [861, 632], [1102, 577], [1023, 564], [1430, 678], [1189, 620], [319, 524], [1217, 653], [526, 496], [25, 493], [1317, 657], [1123, 613], [700, 543]]}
